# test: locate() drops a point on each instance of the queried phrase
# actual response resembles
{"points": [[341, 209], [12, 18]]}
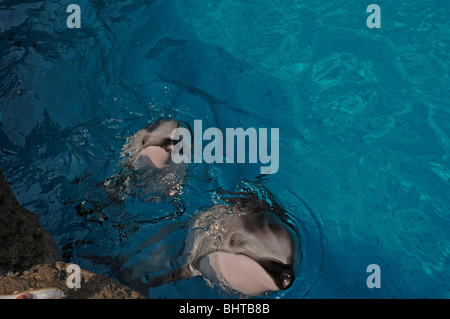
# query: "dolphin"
{"points": [[148, 168], [244, 246], [147, 172]]}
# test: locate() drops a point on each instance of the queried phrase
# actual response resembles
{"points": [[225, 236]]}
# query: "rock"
{"points": [[92, 286], [30, 258], [23, 240]]}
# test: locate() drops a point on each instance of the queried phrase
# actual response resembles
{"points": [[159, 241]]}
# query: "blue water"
{"points": [[364, 121]]}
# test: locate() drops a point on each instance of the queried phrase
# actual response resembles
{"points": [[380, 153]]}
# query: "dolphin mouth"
{"points": [[241, 273], [154, 156], [282, 274], [285, 281], [252, 276]]}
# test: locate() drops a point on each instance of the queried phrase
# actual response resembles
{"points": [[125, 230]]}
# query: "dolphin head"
{"points": [[257, 255], [152, 146]]}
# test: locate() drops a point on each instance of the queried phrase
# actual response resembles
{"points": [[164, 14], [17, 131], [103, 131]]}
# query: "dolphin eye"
{"points": [[236, 240]]}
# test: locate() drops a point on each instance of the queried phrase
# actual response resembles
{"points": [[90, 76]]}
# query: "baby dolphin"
{"points": [[245, 247]]}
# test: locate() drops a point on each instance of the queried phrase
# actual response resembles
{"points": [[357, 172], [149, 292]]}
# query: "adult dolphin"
{"points": [[245, 246]]}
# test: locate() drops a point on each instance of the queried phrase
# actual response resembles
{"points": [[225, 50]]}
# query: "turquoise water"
{"points": [[363, 115]]}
